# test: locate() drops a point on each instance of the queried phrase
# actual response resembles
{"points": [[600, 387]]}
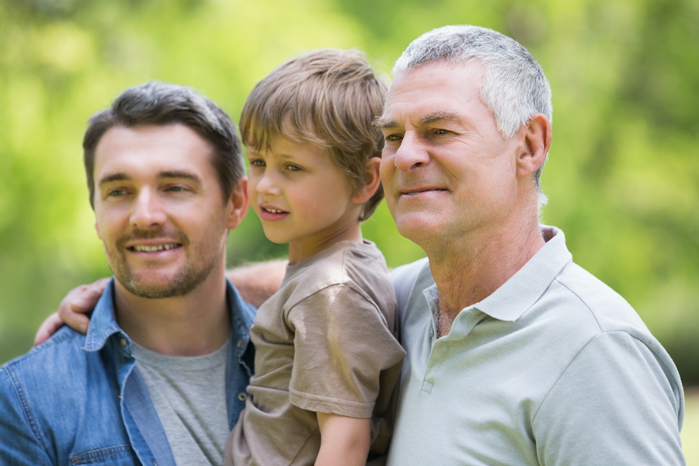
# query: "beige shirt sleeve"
{"points": [[343, 347]]}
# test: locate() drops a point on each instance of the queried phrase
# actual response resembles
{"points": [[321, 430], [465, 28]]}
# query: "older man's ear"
{"points": [[536, 140]]}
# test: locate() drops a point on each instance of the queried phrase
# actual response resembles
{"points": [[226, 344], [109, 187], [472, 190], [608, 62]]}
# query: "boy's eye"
{"points": [[293, 168], [393, 137], [257, 163]]}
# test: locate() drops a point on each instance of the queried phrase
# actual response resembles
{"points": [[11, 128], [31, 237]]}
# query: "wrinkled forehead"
{"points": [[432, 87]]}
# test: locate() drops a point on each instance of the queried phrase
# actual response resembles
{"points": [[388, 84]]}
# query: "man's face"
{"points": [[445, 169], [159, 209]]}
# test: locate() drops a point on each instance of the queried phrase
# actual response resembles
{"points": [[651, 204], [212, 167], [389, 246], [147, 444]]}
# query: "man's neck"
{"points": [[192, 325], [471, 268]]}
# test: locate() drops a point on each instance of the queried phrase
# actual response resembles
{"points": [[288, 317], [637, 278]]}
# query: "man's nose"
{"points": [[411, 154], [148, 210]]}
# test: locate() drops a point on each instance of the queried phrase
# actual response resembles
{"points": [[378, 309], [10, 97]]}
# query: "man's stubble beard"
{"points": [[184, 282]]}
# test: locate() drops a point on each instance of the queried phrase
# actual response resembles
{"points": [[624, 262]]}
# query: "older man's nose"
{"points": [[411, 154]]}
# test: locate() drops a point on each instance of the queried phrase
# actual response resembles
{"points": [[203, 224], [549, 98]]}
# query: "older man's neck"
{"points": [[191, 325], [471, 268]]}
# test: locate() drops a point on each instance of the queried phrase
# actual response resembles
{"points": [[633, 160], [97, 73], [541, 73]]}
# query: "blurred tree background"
{"points": [[622, 178]]}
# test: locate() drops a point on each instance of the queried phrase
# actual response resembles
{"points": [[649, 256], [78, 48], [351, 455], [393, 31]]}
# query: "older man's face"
{"points": [[446, 170]]}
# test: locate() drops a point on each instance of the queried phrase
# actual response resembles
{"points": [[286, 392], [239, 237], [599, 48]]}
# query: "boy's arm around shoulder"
{"points": [[20, 444]]}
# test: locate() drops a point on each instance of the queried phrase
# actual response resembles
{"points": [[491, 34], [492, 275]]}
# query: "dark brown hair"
{"points": [[156, 103]]}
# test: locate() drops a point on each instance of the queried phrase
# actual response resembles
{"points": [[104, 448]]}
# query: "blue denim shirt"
{"points": [[79, 399]]}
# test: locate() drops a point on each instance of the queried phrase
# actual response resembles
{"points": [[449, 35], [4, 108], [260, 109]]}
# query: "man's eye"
{"points": [[441, 131], [393, 137], [175, 189], [116, 192]]}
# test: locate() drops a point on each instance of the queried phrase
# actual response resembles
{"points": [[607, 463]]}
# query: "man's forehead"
{"points": [[161, 149], [429, 92]]}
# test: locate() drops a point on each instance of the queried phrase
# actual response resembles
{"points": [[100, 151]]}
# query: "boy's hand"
{"points": [[72, 310]]}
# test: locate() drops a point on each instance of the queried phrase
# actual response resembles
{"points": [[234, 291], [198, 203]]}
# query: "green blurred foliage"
{"points": [[623, 174]]}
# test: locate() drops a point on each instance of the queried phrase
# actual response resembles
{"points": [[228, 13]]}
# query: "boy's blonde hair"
{"points": [[328, 98]]}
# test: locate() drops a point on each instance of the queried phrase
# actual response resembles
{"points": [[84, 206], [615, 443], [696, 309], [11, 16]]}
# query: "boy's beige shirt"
{"points": [[327, 341]]}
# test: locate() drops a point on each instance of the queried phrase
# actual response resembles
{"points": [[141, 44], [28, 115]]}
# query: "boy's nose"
{"points": [[267, 185]]}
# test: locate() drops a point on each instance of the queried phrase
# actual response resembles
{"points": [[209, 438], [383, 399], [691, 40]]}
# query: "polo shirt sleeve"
{"points": [[616, 403], [21, 440], [344, 353]]}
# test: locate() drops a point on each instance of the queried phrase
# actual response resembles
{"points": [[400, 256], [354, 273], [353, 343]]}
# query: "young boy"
{"points": [[327, 358]]}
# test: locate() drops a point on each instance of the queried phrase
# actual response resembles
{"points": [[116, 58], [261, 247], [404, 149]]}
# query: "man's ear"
{"points": [[536, 142], [237, 205], [372, 181], [97, 229]]}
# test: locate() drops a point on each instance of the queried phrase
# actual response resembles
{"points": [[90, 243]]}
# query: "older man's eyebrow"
{"points": [[439, 116], [385, 123]]}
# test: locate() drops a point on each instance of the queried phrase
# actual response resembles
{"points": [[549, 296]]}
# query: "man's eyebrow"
{"points": [[387, 123], [120, 176], [114, 177], [384, 123], [440, 116], [179, 174]]}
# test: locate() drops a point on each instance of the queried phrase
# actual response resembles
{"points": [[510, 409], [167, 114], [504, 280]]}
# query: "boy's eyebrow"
{"points": [[387, 123]]}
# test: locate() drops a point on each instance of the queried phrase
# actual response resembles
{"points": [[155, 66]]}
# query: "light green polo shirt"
{"points": [[553, 368]]}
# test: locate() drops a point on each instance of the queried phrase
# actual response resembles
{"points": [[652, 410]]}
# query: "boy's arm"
{"points": [[255, 282], [343, 440]]}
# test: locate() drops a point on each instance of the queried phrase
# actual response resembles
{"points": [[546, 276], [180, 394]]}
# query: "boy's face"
{"points": [[301, 197]]}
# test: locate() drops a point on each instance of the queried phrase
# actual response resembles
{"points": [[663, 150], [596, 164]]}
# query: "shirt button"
{"points": [[242, 396], [240, 343], [123, 342]]}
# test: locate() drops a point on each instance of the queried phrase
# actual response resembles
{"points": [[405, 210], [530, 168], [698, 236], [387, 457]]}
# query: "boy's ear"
{"points": [[237, 203], [372, 182]]}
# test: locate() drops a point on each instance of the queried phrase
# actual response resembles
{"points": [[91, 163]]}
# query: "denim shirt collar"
{"points": [[103, 322]]}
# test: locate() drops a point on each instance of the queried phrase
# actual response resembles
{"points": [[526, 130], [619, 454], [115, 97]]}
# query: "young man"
{"points": [[160, 376]]}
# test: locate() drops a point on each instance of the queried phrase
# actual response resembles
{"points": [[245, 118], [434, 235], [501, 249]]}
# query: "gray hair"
{"points": [[514, 86], [156, 103]]}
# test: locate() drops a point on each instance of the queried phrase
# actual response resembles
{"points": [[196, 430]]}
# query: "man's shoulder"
{"points": [[588, 294], [49, 365]]}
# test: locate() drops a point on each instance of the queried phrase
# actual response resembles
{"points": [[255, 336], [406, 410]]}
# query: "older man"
{"points": [[160, 377], [516, 355]]}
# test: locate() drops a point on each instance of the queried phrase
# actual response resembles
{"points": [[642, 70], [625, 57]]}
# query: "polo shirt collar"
{"points": [[525, 287]]}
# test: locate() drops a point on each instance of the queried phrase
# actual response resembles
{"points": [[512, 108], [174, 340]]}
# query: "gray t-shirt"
{"points": [[189, 396]]}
